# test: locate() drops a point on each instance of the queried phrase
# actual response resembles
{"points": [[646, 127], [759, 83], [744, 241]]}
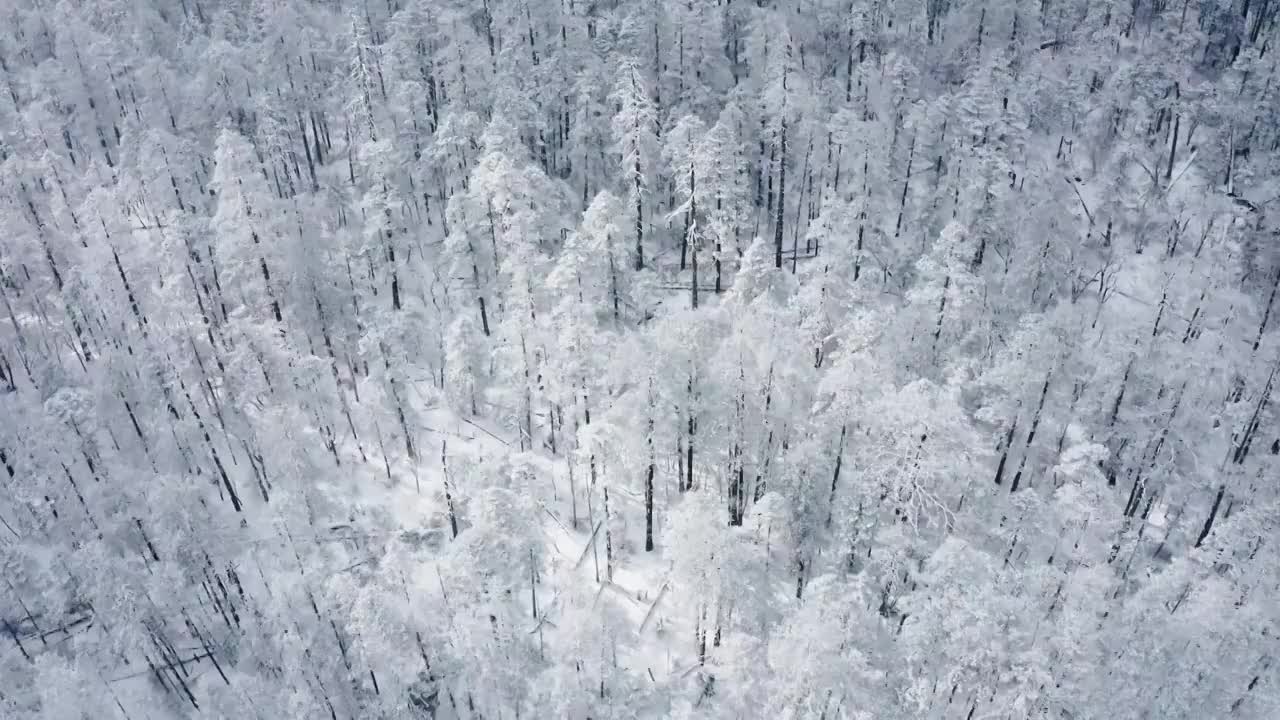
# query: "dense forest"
{"points": [[586, 359]]}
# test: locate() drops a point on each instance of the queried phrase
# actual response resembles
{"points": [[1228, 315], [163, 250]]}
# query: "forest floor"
{"points": [[655, 638]]}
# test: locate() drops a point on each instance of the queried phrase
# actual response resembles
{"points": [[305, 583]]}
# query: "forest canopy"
{"points": [[822, 359]]}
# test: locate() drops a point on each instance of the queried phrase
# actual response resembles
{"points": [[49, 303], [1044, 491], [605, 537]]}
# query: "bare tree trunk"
{"points": [[782, 182], [608, 538], [648, 479], [1031, 434], [1213, 513], [448, 490], [694, 285], [692, 431], [835, 476]]}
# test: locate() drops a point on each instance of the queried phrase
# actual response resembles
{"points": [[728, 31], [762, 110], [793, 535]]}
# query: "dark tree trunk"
{"points": [[782, 182], [906, 186], [1213, 513], [692, 431], [448, 490], [648, 479], [694, 284], [835, 476], [1031, 434]]}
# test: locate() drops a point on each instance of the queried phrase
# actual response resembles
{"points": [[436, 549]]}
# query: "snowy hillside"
{"points": [[509, 359]]}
